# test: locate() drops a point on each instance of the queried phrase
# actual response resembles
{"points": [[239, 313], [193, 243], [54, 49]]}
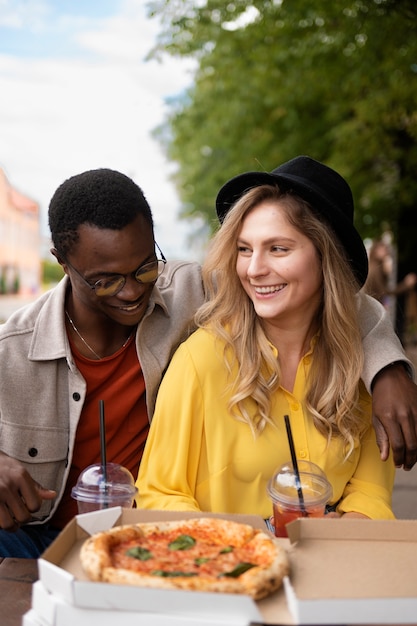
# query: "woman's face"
{"points": [[279, 267]]}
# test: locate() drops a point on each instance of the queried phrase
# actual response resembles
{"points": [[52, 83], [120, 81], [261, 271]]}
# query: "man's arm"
{"points": [[388, 375]]}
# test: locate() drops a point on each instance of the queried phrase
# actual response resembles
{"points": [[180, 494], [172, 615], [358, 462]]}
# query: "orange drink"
{"points": [[283, 516], [292, 499]]}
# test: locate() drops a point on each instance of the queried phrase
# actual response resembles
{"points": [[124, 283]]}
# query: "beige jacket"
{"points": [[41, 390]]}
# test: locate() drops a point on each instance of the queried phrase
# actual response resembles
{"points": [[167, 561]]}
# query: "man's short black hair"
{"points": [[101, 197]]}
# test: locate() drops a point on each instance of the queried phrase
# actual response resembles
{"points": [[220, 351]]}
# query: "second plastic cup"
{"points": [[95, 491], [284, 494]]}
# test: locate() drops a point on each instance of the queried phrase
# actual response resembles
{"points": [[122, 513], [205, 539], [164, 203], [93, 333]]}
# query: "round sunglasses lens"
{"points": [[148, 273], [109, 287]]}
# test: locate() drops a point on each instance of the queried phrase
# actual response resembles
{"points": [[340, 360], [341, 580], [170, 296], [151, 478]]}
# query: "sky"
{"points": [[76, 93]]}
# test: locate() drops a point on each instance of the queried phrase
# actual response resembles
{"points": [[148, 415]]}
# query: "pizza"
{"points": [[201, 554]]}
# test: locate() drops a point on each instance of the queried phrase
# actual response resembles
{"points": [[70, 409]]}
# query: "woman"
{"points": [[279, 335]]}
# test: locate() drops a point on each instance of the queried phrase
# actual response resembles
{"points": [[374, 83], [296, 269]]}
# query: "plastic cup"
{"points": [[283, 491], [94, 491]]}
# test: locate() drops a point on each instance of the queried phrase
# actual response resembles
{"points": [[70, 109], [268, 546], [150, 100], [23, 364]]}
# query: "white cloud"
{"points": [[60, 115], [19, 15]]}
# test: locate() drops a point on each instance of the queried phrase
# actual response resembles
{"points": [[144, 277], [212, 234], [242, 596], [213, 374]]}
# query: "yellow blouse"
{"points": [[199, 457]]}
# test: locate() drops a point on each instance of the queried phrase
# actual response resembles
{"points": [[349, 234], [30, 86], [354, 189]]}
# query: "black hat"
{"points": [[323, 188]]}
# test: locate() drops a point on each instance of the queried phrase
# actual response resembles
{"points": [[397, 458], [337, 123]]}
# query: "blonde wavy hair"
{"points": [[332, 394]]}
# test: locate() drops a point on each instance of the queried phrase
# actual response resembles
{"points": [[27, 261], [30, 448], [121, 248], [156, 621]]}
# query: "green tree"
{"points": [[52, 272], [274, 79]]}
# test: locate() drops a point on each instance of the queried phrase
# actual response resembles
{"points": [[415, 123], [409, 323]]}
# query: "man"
{"points": [[107, 332]]}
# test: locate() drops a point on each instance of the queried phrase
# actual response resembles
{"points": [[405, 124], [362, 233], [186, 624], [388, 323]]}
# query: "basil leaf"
{"points": [[163, 574], [143, 554], [182, 542], [200, 560], [238, 570], [226, 550]]}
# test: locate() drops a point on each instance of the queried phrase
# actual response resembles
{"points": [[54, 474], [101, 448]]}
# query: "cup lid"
{"points": [[314, 484], [93, 486], [303, 466]]}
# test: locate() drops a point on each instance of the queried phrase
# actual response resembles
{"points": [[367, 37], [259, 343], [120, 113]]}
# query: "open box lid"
{"points": [[363, 570]]}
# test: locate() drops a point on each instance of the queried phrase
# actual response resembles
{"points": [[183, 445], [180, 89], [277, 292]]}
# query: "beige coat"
{"points": [[41, 390]]}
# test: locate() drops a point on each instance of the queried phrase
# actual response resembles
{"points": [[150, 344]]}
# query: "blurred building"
{"points": [[20, 259]]}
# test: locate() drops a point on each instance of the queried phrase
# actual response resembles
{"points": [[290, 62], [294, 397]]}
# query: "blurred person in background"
{"points": [[379, 283]]}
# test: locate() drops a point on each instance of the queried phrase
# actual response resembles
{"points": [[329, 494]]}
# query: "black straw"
{"points": [[103, 441], [295, 466]]}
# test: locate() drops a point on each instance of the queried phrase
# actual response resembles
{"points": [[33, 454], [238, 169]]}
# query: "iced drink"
{"points": [[284, 492]]}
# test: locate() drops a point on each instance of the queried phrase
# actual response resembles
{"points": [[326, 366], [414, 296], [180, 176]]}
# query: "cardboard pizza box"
{"points": [[62, 577], [31, 618], [353, 571], [342, 572], [51, 610]]}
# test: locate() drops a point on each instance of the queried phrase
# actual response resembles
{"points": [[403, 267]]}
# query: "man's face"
{"points": [[104, 254]]}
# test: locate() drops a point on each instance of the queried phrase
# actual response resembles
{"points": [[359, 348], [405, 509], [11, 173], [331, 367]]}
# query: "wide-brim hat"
{"points": [[323, 188]]}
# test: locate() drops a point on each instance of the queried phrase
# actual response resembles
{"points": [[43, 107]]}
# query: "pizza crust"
{"points": [[257, 582]]}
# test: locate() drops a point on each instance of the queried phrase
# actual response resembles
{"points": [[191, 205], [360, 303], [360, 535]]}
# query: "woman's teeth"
{"points": [[269, 289]]}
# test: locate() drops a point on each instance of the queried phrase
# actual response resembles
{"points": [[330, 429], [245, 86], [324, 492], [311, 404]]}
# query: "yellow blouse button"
{"points": [[303, 454]]}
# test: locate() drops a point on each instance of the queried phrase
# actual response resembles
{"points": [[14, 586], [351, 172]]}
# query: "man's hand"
{"points": [[394, 407], [20, 495]]}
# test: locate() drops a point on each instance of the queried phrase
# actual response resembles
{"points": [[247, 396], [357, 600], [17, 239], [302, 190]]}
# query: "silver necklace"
{"points": [[85, 342]]}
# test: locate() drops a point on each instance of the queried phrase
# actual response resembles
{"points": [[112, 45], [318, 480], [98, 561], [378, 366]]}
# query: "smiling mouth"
{"points": [[129, 308], [273, 289]]}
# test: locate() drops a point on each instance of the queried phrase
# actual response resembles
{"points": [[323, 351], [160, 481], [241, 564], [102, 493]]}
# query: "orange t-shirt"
{"points": [[118, 381]]}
